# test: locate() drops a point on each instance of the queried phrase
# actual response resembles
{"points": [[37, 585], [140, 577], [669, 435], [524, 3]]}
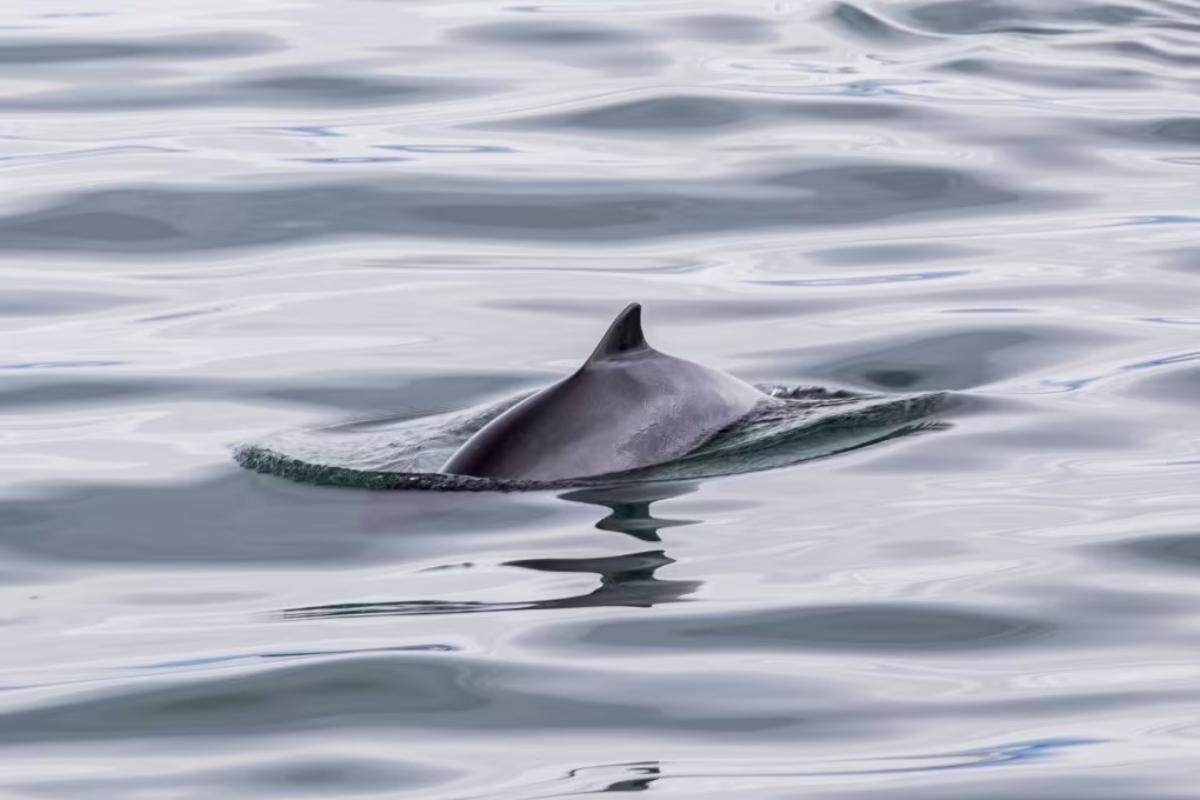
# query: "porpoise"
{"points": [[628, 406]]}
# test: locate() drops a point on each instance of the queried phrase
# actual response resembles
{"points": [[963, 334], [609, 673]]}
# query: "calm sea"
{"points": [[222, 220]]}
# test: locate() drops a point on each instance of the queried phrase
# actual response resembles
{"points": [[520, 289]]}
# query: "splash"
{"points": [[406, 452]]}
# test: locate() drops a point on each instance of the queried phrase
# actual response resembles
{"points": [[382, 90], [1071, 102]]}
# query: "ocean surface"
{"points": [[224, 222]]}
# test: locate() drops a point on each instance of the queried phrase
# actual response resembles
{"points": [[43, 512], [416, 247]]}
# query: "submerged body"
{"points": [[628, 406]]}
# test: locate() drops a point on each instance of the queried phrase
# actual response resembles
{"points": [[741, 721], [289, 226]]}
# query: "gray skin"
{"points": [[628, 406]]}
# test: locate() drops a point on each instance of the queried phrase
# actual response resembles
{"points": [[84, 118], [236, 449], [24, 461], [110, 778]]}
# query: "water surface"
{"points": [[230, 221]]}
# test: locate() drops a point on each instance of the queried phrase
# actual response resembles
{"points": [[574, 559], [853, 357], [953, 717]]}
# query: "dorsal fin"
{"points": [[623, 336]]}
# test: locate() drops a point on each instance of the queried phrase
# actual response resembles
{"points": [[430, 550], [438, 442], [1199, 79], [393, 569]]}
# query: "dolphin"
{"points": [[628, 406]]}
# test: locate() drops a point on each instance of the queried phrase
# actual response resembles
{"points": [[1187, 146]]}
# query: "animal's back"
{"points": [[628, 406]]}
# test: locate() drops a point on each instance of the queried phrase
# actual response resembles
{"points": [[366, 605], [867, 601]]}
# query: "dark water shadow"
{"points": [[1022, 17], [699, 115], [626, 580], [547, 34], [414, 692], [182, 217], [574, 43], [234, 519], [870, 628], [317, 775], [893, 253], [723, 28], [1178, 551], [400, 394], [961, 358], [60, 302], [328, 86], [1044, 77], [1177, 385], [229, 44]]}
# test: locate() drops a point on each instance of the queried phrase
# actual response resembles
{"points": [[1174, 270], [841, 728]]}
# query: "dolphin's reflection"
{"points": [[625, 580], [630, 507], [643, 774]]}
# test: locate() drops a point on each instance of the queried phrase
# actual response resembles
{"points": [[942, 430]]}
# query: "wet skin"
{"points": [[628, 406]]}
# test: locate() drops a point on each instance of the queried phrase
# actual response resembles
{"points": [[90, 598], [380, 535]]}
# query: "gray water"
{"points": [[225, 222]]}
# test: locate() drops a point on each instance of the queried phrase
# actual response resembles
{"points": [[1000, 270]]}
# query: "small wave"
{"points": [[407, 452]]}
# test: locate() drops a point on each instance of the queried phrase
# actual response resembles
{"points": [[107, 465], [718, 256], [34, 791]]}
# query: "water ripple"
{"points": [[226, 220], [177, 219]]}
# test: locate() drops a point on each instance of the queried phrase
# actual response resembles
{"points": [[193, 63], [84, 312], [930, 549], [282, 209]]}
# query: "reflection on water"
{"points": [[222, 222], [630, 507], [625, 580]]}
